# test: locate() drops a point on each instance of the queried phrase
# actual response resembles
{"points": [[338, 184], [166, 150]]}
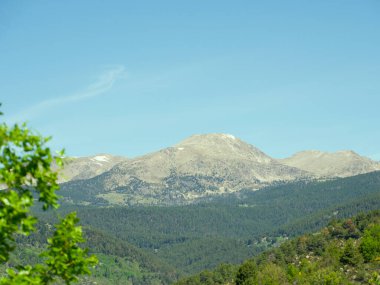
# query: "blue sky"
{"points": [[131, 77]]}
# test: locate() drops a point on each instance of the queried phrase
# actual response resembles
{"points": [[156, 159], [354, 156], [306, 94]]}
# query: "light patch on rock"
{"points": [[230, 136], [101, 158]]}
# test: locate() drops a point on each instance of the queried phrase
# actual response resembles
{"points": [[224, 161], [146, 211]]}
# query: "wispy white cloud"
{"points": [[104, 83]]}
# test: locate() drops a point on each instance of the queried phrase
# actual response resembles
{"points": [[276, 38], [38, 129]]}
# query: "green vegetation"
{"points": [[171, 242], [25, 170], [158, 245], [232, 228], [344, 252], [110, 270], [370, 246], [119, 261]]}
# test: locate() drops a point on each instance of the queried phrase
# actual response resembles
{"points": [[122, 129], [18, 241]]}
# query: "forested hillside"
{"points": [[344, 252], [159, 244], [229, 229], [119, 261]]}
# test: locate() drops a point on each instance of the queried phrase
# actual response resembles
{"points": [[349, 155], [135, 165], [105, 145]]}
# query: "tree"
{"points": [[272, 274], [247, 273], [26, 174], [370, 245], [351, 255], [327, 276]]}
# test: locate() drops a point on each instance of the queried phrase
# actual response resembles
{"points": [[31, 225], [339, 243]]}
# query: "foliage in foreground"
{"points": [[26, 173], [346, 252]]}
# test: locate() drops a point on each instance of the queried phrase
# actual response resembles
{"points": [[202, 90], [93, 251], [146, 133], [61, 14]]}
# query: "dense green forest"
{"points": [[159, 244], [119, 262], [234, 227], [344, 252]]}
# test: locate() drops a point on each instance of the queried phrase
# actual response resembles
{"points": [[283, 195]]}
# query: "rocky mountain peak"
{"points": [[348, 153], [210, 138], [224, 146]]}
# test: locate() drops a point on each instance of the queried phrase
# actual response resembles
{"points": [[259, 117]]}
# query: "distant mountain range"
{"points": [[198, 167], [337, 164]]}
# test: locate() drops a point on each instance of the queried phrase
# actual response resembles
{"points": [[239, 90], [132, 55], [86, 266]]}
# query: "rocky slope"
{"points": [[336, 164], [199, 166], [87, 167]]}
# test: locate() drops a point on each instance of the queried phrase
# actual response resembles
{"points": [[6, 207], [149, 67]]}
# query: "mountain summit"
{"points": [[223, 146]]}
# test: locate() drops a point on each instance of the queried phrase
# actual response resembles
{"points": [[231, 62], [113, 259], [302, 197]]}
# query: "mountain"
{"points": [[337, 164], [87, 167], [199, 166]]}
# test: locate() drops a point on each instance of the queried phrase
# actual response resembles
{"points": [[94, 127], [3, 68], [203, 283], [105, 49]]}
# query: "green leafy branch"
{"points": [[25, 168]]}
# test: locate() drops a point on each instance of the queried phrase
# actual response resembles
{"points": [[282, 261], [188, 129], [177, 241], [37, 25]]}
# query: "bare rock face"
{"points": [[217, 155], [337, 164], [199, 166], [87, 167]]}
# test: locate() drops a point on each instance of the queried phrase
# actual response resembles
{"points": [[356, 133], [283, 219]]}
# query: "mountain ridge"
{"points": [[341, 163], [206, 165], [77, 168]]}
